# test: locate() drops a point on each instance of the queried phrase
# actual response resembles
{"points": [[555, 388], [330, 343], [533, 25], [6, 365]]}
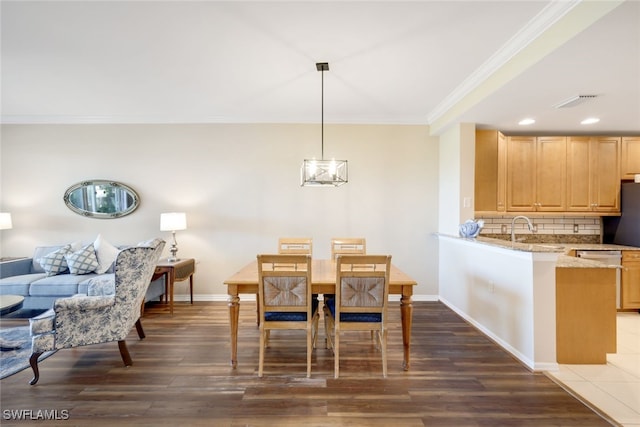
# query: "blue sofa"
{"points": [[40, 289]]}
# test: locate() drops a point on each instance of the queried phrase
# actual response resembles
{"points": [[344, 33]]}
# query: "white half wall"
{"points": [[508, 294]]}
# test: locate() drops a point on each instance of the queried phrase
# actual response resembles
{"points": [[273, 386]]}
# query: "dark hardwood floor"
{"points": [[181, 376]]}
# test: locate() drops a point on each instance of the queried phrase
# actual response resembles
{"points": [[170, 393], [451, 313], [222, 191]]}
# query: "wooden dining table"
{"points": [[323, 277]]}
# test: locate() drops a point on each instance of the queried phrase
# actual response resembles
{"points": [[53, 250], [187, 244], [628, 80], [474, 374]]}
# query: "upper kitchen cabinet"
{"points": [[490, 171], [630, 164], [593, 182], [536, 171]]}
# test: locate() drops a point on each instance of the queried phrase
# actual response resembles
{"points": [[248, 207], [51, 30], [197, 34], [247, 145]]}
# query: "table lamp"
{"points": [[5, 221], [173, 221]]}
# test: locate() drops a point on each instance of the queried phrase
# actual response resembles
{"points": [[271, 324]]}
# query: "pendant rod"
{"points": [[322, 117], [322, 67]]}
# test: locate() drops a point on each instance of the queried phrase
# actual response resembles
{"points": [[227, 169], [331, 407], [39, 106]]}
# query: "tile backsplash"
{"points": [[547, 228]]}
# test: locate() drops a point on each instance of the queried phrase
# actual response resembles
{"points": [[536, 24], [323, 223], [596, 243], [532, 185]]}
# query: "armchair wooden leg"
{"points": [[33, 361], [124, 352], [140, 330]]}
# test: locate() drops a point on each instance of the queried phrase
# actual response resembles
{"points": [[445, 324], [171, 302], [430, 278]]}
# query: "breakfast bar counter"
{"points": [[540, 304]]}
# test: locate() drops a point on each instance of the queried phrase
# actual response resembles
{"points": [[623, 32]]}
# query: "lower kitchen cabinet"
{"points": [[630, 280], [585, 315]]}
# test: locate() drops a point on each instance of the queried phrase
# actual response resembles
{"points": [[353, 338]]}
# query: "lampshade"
{"points": [[173, 221], [5, 221], [323, 173]]}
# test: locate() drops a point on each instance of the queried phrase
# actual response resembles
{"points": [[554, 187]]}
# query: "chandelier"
{"points": [[323, 173]]}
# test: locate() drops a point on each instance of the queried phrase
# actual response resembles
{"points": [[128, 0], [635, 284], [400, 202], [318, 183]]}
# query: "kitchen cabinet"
{"points": [[585, 315], [593, 183], [630, 280], [630, 162], [536, 170], [490, 171]]}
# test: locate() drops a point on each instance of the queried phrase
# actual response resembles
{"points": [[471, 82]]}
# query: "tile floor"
{"points": [[614, 388]]}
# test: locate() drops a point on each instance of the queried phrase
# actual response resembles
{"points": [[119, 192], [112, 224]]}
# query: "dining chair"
{"points": [[295, 245], [360, 302], [285, 301], [348, 246]]}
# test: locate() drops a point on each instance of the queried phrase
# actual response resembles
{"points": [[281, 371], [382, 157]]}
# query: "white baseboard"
{"points": [[530, 364], [252, 297]]}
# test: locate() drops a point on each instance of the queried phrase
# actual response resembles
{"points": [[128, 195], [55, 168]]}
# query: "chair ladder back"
{"points": [[295, 245], [284, 283], [348, 246], [362, 284]]}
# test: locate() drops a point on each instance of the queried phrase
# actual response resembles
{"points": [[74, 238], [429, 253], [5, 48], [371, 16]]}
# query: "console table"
{"points": [[175, 271]]}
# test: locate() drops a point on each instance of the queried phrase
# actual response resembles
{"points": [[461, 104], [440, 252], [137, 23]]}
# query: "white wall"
{"points": [[467, 170], [449, 184], [238, 184], [457, 167]]}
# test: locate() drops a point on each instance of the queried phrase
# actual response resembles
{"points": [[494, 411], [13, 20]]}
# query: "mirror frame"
{"points": [[101, 215]]}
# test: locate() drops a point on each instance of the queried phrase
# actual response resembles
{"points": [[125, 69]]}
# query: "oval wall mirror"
{"points": [[101, 199]]}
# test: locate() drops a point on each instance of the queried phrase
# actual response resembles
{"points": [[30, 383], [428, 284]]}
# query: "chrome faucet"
{"points": [[513, 235]]}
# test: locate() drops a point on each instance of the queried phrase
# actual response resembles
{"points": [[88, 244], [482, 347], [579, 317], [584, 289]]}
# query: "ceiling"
{"points": [[390, 62]]}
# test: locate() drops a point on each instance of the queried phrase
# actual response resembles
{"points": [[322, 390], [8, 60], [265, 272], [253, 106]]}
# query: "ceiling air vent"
{"points": [[574, 100]]}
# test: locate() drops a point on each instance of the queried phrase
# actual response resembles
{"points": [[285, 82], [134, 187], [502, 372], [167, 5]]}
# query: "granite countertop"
{"points": [[564, 260]]}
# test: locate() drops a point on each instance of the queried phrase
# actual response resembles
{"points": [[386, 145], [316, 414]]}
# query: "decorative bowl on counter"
{"points": [[470, 228]]}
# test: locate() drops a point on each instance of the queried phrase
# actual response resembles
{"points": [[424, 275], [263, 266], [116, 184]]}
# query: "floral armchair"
{"points": [[107, 313]]}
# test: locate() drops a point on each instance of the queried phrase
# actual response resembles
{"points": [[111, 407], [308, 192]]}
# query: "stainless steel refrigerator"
{"points": [[625, 229]]}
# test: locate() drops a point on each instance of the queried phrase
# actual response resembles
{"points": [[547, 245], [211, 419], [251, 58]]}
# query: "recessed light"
{"points": [[525, 122], [590, 121]]}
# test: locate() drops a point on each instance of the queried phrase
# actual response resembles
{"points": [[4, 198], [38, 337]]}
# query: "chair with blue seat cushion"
{"points": [[295, 245], [360, 302], [106, 314], [348, 246], [285, 301]]}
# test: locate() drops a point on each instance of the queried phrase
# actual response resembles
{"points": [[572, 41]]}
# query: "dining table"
{"points": [[323, 278]]}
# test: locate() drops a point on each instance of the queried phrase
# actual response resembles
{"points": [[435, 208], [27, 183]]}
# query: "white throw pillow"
{"points": [[82, 262], [106, 254], [55, 262]]}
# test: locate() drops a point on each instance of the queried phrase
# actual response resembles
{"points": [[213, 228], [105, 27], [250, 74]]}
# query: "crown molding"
{"points": [[537, 26]]}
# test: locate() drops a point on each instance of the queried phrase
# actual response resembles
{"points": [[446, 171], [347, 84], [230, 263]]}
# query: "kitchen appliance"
{"points": [[625, 229], [609, 257]]}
